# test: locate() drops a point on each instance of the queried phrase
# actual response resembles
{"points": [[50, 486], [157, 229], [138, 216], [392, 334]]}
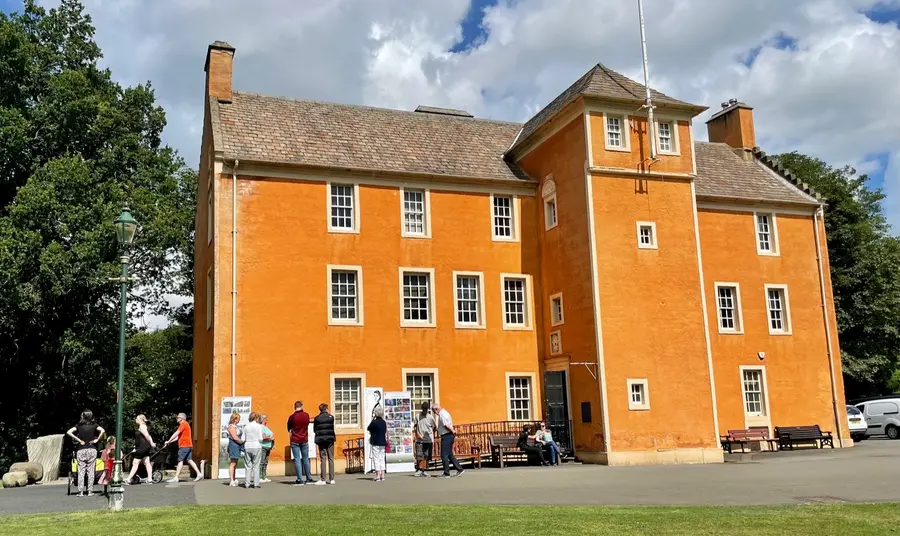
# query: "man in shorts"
{"points": [[185, 447], [423, 430]]}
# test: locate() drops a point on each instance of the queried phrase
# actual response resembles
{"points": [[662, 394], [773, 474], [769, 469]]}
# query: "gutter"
{"points": [[834, 396], [233, 274]]}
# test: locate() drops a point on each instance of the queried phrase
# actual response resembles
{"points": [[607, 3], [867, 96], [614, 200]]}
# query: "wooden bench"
{"points": [[754, 434], [503, 446], [465, 450], [788, 436]]}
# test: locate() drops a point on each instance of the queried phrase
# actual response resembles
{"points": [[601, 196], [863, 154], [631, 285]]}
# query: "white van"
{"points": [[882, 416]]}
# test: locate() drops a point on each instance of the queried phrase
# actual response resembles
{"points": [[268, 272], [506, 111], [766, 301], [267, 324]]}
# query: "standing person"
{"points": [[424, 434], [268, 443], [86, 434], [185, 448], [378, 440], [142, 445], [323, 426], [235, 447], [545, 437], [253, 435], [298, 426], [445, 430], [107, 456], [524, 446]]}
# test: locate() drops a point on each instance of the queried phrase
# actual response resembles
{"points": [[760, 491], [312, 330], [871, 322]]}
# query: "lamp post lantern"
{"points": [[126, 226]]}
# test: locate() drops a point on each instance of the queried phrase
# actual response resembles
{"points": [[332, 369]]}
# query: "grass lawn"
{"points": [[843, 519]]}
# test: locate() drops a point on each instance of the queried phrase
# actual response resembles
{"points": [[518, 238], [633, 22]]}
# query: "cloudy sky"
{"points": [[823, 75]]}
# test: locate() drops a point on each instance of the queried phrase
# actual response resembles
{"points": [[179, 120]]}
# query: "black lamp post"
{"points": [[126, 226]]}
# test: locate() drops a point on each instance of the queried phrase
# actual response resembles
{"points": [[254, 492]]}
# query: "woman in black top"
{"points": [[142, 445], [378, 440], [86, 434], [530, 449]]}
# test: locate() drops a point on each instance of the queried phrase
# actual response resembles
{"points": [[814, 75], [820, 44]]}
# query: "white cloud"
{"points": [[834, 94]]}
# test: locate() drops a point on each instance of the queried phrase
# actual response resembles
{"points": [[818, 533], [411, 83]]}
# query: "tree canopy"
{"points": [[75, 148], [865, 273]]}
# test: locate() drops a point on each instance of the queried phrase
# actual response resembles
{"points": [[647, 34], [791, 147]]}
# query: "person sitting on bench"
{"points": [[523, 445]]}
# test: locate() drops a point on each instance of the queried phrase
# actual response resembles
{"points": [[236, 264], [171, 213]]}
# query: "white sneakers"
{"points": [[321, 483], [199, 478], [233, 483], [331, 481], [172, 480]]}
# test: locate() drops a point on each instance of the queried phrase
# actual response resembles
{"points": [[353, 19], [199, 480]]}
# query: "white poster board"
{"points": [[231, 404], [399, 418], [373, 398]]}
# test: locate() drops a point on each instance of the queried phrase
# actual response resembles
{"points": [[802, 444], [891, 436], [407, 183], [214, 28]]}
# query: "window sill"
{"points": [[470, 326], [780, 333], [343, 231], [730, 332], [348, 430], [554, 324], [507, 327], [419, 236], [417, 324], [618, 149], [767, 253], [652, 247], [668, 153], [345, 324], [638, 408], [554, 226], [501, 239]]}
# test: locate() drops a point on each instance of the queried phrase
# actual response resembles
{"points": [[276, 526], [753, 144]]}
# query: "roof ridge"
{"points": [[375, 108]]}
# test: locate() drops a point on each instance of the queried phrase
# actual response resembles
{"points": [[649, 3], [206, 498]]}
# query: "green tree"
{"points": [[75, 147], [865, 272]]}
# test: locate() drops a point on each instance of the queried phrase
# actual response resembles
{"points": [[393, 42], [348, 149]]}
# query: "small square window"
{"points": [[646, 235], [667, 137], [638, 395], [550, 216], [556, 309], [766, 234], [616, 132]]}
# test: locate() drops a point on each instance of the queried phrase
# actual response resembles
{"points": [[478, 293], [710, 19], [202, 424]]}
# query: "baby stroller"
{"points": [[99, 469], [158, 458]]}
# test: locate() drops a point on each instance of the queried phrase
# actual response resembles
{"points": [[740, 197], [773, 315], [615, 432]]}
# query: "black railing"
{"points": [[354, 455]]}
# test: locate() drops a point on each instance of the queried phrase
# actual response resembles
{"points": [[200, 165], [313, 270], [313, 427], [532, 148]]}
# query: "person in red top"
{"points": [[298, 426], [185, 447]]}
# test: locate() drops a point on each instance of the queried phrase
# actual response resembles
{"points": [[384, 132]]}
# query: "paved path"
{"points": [[868, 472]]}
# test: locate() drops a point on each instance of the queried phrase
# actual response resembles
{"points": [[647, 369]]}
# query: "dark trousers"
{"points": [[447, 454], [533, 450]]}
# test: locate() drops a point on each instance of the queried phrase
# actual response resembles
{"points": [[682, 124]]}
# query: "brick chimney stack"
{"points": [[733, 125], [219, 60]]}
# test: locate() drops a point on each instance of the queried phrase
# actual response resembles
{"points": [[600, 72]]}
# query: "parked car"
{"points": [[858, 426], [882, 416]]}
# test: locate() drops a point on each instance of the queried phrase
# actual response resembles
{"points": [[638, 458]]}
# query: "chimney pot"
{"points": [[219, 61], [733, 125]]}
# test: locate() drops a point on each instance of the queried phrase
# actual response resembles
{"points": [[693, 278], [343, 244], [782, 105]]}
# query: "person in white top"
{"points": [[253, 435], [445, 429]]}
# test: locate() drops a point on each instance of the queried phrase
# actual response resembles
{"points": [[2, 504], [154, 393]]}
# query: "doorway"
{"points": [[557, 403]]}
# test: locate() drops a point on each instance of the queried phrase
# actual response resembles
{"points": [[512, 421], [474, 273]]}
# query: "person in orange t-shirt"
{"points": [[185, 447]]}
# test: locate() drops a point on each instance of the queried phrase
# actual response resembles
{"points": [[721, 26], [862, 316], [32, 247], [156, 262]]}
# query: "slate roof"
{"points": [[601, 82], [721, 173], [311, 133], [319, 134]]}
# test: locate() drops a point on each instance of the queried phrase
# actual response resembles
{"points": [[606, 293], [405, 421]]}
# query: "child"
{"points": [[108, 455]]}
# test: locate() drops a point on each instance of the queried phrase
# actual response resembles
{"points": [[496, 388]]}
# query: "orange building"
{"points": [[555, 269]]}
